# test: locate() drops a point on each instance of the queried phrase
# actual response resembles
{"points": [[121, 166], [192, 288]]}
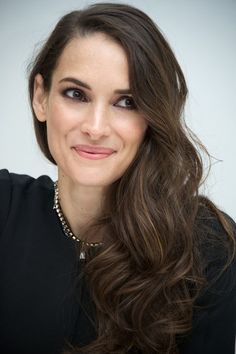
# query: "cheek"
{"points": [[57, 128], [133, 133], [59, 119]]}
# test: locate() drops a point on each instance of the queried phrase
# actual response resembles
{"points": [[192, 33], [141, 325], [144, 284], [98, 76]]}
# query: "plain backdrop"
{"points": [[202, 34]]}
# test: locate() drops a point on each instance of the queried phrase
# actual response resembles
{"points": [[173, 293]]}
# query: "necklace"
{"points": [[65, 227]]}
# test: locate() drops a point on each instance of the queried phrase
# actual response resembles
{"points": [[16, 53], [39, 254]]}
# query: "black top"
{"points": [[39, 311]]}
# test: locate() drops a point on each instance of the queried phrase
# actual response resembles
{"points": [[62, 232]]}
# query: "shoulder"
{"points": [[9, 181], [15, 188], [216, 242], [214, 231], [214, 311]]}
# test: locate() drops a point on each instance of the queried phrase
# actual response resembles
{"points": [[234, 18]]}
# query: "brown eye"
{"points": [[126, 102], [75, 94]]}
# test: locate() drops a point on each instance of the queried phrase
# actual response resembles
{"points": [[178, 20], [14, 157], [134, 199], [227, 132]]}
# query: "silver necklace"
{"points": [[65, 227]]}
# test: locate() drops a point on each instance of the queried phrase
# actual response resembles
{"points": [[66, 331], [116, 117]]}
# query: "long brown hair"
{"points": [[146, 277]]}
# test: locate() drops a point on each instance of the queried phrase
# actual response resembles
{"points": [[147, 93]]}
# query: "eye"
{"points": [[75, 94], [126, 102]]}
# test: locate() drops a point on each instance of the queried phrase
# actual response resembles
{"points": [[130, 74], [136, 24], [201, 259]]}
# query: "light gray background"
{"points": [[203, 36]]}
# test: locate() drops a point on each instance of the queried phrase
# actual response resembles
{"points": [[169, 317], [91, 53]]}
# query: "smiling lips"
{"points": [[93, 152]]}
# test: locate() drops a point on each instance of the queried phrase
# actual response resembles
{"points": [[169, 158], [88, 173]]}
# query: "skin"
{"points": [[96, 115]]}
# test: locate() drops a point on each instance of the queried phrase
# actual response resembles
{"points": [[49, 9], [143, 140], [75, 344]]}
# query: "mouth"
{"points": [[93, 152]]}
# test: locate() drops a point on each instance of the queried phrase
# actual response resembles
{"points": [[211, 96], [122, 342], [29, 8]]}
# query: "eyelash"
{"points": [[82, 98], [65, 94]]}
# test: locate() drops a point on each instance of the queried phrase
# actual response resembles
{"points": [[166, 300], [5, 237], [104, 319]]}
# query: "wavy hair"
{"points": [[146, 277]]}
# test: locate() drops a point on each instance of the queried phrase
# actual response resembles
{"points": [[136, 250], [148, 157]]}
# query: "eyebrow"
{"points": [[83, 84]]}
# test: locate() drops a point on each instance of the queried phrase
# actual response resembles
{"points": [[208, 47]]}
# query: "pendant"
{"points": [[82, 255]]}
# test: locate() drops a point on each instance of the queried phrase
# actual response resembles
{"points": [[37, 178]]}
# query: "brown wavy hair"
{"points": [[146, 277]]}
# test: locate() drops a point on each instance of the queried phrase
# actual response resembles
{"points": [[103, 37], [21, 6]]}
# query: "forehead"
{"points": [[94, 56]]}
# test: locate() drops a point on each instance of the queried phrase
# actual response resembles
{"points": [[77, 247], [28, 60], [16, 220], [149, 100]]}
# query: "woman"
{"points": [[148, 265]]}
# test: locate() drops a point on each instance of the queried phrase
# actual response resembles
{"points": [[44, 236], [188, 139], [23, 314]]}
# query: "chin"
{"points": [[93, 181]]}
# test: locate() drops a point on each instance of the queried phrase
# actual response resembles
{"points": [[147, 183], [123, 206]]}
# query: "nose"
{"points": [[96, 122]]}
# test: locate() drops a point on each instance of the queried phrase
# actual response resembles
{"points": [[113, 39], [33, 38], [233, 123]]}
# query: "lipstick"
{"points": [[93, 152]]}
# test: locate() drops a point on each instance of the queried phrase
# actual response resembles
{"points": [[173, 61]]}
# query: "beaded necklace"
{"points": [[66, 228]]}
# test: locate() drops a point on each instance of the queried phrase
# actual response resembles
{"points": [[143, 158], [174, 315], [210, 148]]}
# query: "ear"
{"points": [[40, 99]]}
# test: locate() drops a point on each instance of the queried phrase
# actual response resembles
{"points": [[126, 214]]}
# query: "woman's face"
{"points": [[94, 129]]}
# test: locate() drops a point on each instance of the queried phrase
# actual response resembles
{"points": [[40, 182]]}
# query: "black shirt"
{"points": [[39, 308]]}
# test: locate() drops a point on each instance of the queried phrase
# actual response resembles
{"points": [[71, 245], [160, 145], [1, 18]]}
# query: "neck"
{"points": [[80, 204]]}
